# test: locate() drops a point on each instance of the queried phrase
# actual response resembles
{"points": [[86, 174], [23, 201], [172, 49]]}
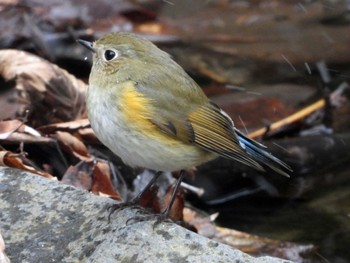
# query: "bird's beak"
{"points": [[87, 44]]}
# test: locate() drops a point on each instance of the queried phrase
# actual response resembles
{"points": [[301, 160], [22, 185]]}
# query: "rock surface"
{"points": [[45, 221]]}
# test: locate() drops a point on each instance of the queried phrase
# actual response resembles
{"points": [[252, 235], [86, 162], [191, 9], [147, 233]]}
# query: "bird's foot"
{"points": [[118, 207]]}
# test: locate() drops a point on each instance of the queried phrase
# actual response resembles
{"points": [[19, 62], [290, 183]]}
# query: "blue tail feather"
{"points": [[258, 152]]}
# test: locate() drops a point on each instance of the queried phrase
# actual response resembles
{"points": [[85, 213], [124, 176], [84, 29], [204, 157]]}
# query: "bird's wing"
{"points": [[211, 129], [181, 110], [196, 121], [214, 131]]}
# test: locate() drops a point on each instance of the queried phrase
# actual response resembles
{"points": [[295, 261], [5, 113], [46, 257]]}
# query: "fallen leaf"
{"points": [[9, 127], [101, 183], [72, 145], [70, 126], [49, 94], [9, 159], [79, 175]]}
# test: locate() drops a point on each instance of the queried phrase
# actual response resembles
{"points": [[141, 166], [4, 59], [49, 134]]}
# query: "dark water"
{"points": [[320, 216]]}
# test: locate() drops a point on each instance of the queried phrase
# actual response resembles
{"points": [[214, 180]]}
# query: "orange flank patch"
{"points": [[137, 109]]}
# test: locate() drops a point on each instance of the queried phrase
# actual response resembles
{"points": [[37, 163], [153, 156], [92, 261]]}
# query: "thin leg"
{"points": [[136, 199], [173, 196], [164, 216]]}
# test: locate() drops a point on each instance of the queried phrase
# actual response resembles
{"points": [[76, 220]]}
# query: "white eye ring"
{"points": [[110, 54]]}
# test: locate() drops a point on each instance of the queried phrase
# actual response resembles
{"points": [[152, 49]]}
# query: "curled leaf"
{"points": [[49, 94], [9, 159]]}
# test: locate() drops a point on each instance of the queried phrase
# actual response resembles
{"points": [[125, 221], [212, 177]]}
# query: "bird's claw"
{"points": [[121, 206]]}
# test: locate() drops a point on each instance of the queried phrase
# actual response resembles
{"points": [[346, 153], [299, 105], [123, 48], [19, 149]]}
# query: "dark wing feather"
{"points": [[214, 132], [257, 150]]}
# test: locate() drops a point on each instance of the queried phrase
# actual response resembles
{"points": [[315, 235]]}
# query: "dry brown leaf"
{"points": [[50, 93], [65, 126], [9, 159], [10, 127], [73, 145], [102, 182], [88, 136], [150, 199], [80, 128], [79, 175], [92, 176], [22, 137]]}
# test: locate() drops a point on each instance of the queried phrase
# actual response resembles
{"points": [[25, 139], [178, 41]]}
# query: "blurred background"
{"points": [[280, 69]]}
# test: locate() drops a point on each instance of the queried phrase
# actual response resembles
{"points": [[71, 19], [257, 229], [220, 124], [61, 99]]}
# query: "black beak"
{"points": [[87, 44]]}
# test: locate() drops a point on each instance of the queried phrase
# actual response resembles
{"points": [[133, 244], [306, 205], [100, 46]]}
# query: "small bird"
{"points": [[147, 110]]}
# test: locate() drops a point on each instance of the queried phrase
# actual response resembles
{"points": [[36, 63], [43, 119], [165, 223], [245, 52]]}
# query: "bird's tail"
{"points": [[259, 153]]}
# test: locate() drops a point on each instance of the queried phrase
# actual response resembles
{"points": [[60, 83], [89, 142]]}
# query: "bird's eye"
{"points": [[110, 54]]}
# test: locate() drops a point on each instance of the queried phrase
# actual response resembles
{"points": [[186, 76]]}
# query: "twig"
{"points": [[290, 119]]}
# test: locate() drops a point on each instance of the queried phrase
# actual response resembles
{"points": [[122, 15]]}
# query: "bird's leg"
{"points": [[166, 211], [165, 214], [135, 200]]}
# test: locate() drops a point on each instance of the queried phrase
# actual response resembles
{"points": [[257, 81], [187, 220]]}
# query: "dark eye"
{"points": [[110, 54]]}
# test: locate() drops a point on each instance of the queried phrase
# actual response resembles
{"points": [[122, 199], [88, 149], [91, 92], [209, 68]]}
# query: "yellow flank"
{"points": [[136, 108], [137, 111]]}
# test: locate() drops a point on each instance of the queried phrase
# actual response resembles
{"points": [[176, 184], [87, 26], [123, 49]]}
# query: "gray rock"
{"points": [[43, 220]]}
